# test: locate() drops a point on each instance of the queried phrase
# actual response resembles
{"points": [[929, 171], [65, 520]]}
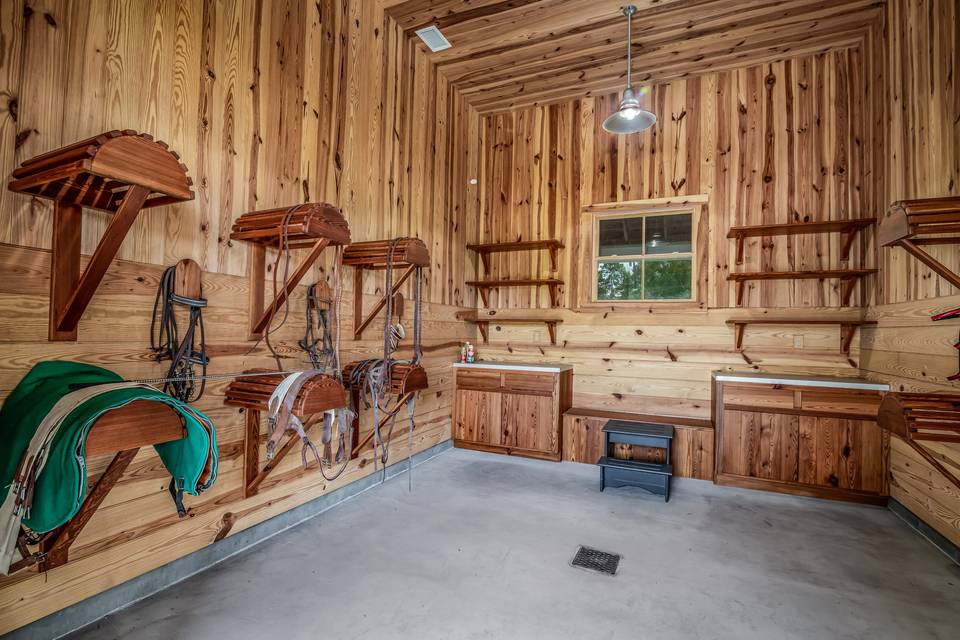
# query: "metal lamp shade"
{"points": [[630, 117]]}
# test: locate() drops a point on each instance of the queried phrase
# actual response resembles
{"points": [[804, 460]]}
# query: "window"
{"points": [[644, 257]]}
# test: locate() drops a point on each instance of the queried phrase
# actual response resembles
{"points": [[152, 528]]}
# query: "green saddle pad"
{"points": [[61, 487]]}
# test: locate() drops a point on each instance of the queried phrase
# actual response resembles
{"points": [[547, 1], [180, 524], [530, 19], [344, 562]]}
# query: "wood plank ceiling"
{"points": [[515, 53]]}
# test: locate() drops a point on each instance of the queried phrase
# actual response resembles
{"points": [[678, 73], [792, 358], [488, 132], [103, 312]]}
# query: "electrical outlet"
{"points": [[798, 341]]}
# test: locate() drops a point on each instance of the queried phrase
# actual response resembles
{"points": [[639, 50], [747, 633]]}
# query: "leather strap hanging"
{"points": [[317, 340], [180, 287]]}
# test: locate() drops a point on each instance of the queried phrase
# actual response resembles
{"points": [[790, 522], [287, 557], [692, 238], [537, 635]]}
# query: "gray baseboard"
{"points": [[948, 548], [87, 612]]}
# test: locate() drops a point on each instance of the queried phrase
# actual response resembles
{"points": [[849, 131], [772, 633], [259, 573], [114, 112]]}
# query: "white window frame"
{"points": [[693, 209]]}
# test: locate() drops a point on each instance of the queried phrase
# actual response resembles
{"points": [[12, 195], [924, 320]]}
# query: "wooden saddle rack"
{"points": [[409, 254], [120, 172], [406, 378], [923, 417], [914, 224], [317, 395], [312, 225], [405, 381], [121, 431]]}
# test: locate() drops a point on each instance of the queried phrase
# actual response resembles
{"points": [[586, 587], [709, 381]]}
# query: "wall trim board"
{"points": [[932, 536], [89, 611]]}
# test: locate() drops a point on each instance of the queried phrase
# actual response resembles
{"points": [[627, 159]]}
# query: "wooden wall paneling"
{"points": [[267, 105], [922, 48], [769, 143], [914, 59]]}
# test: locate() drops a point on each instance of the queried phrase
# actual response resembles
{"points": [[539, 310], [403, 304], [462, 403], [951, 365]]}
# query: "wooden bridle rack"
{"points": [[121, 172], [314, 225], [121, 431], [405, 380], [409, 254], [317, 395], [923, 417], [912, 224]]}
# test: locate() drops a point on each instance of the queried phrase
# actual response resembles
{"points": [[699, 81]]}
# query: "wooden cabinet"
{"points": [[477, 417], [509, 411], [693, 450], [809, 440]]}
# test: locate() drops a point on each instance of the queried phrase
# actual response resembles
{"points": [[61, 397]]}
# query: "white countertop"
{"points": [[803, 381], [544, 367]]}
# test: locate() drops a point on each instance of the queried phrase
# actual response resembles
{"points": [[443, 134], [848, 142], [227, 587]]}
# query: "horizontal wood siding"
{"points": [[268, 104]]}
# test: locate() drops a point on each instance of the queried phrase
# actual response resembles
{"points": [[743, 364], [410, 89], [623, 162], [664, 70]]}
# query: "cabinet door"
{"points": [[477, 417], [529, 422], [760, 445], [842, 453]]}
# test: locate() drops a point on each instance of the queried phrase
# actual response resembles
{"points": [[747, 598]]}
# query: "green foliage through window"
{"points": [[620, 281]]}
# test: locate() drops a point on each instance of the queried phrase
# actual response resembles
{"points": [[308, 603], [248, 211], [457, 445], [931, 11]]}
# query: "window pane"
{"points": [[620, 280], [621, 237], [669, 234], [668, 279]]}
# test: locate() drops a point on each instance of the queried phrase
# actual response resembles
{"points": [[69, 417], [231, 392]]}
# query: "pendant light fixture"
{"points": [[629, 118]]}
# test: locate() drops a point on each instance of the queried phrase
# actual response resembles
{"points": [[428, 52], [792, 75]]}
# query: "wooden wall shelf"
{"points": [[484, 250], [918, 417], [409, 254], [483, 287], [483, 323], [314, 225], [847, 228], [847, 328], [121, 172], [848, 279], [121, 431], [320, 393], [931, 221]]}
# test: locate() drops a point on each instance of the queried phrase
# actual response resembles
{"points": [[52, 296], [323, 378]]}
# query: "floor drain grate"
{"points": [[596, 560]]}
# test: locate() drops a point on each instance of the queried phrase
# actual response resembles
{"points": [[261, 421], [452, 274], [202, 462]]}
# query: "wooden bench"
{"points": [[693, 443]]}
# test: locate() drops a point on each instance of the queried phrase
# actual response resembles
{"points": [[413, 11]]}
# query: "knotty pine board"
{"points": [[268, 104], [923, 132], [511, 55], [764, 144], [659, 361], [906, 349]]}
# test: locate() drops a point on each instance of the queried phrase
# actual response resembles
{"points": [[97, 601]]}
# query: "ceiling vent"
{"points": [[432, 37]]}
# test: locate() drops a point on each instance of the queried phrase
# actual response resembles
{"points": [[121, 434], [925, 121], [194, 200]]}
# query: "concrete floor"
{"points": [[481, 549]]}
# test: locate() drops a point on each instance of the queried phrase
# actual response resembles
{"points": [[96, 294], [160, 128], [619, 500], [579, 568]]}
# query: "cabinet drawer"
{"points": [[758, 396], [846, 401], [528, 383], [479, 380]]}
